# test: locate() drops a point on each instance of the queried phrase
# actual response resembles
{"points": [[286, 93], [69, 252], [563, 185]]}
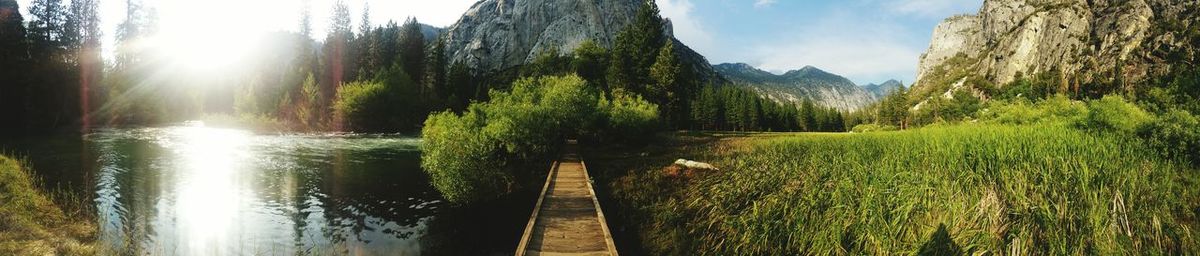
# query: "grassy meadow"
{"points": [[31, 223], [958, 189]]}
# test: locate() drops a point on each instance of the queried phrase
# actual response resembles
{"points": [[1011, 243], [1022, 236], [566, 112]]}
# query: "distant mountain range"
{"points": [[496, 35], [811, 83], [882, 90]]}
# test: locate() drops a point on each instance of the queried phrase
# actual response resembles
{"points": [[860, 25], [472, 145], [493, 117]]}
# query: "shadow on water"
{"points": [[202, 191]]}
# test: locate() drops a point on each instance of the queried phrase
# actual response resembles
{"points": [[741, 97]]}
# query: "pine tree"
{"points": [[665, 74], [412, 49], [435, 71], [14, 64], [459, 79], [635, 50], [589, 62]]}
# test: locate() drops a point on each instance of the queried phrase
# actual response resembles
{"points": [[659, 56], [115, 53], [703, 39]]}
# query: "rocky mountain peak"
{"points": [[497, 35], [1085, 39], [796, 86]]}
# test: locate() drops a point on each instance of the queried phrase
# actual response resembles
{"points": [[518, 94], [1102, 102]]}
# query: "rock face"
{"points": [[1084, 39], [795, 86], [881, 90], [494, 35]]}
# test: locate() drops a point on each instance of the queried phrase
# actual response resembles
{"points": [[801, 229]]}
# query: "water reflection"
{"points": [[206, 191]]}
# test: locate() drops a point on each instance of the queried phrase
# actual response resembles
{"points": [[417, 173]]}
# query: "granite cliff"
{"points": [[495, 35], [822, 88], [1083, 39]]}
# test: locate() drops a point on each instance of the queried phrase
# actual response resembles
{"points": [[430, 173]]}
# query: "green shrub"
{"points": [[1176, 134], [1054, 110], [361, 105], [865, 128], [467, 155], [1113, 113], [629, 118], [458, 158], [390, 102]]}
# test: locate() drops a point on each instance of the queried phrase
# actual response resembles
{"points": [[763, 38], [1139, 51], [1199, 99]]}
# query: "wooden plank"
{"points": [[567, 219], [537, 207], [612, 246]]}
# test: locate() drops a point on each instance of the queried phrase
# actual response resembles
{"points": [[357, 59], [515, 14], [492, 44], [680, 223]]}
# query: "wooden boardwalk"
{"points": [[567, 219]]}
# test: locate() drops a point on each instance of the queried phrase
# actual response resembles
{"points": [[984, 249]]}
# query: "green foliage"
{"points": [[547, 63], [865, 128], [1176, 134], [893, 109], [1055, 110], [469, 156], [1113, 113], [981, 189], [462, 86], [668, 88], [33, 223], [361, 105], [590, 62], [459, 159], [309, 108], [435, 71], [635, 49], [628, 119]]}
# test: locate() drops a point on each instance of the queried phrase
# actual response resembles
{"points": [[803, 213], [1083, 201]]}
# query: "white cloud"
{"points": [[860, 60], [763, 3], [686, 26], [863, 51]]}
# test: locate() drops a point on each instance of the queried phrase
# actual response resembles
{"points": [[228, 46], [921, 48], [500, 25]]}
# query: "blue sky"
{"points": [[864, 40], [868, 41]]}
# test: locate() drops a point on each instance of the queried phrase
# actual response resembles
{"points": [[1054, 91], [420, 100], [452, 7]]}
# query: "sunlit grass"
{"points": [[961, 189], [32, 224]]}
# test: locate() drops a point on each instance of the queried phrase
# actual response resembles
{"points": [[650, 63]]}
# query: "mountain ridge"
{"points": [[1084, 42], [795, 86]]}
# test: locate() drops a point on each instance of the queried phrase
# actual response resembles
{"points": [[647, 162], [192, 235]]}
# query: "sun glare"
{"points": [[213, 35]]}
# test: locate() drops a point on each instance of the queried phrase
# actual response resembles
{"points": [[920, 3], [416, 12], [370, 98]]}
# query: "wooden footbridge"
{"points": [[567, 219]]}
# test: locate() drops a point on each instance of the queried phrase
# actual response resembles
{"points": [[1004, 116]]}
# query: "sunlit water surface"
{"points": [[208, 191]]}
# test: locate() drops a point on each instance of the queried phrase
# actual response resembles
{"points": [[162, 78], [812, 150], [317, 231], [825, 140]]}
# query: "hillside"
{"points": [[883, 89], [811, 83], [1104, 46], [495, 35]]}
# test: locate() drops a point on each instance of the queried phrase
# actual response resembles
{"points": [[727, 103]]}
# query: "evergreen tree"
{"points": [[636, 49], [808, 116], [14, 64], [435, 71], [664, 90], [589, 62], [412, 49], [459, 79], [84, 26]]}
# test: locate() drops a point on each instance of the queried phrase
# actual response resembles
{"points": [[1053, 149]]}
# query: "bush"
{"points": [[457, 157], [865, 128], [361, 104], [467, 155], [388, 103], [629, 118], [1113, 113], [1176, 134], [1054, 110]]}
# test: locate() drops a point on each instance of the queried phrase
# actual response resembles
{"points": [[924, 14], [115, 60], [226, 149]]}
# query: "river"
{"points": [[194, 190]]}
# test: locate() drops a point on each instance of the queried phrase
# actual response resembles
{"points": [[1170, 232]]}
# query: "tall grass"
{"points": [[32, 224], [966, 189]]}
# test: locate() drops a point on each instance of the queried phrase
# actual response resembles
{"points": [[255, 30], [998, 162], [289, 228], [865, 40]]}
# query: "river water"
{"points": [[193, 190]]}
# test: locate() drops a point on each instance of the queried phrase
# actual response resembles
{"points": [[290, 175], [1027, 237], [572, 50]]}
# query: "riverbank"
{"points": [[961, 189], [32, 224]]}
